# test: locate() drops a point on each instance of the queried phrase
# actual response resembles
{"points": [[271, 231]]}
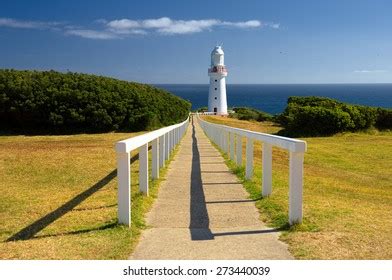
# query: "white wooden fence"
{"points": [[163, 142], [229, 139]]}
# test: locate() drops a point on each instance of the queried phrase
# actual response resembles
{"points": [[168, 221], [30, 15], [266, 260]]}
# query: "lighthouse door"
{"points": [[215, 110]]}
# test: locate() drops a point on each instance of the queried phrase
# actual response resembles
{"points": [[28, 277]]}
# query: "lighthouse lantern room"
{"points": [[217, 101]]}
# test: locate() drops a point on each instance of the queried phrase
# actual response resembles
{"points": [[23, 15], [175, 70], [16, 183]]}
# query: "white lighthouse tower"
{"points": [[217, 101]]}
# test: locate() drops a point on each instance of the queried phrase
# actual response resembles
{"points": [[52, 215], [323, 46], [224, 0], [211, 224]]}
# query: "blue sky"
{"points": [[335, 41]]}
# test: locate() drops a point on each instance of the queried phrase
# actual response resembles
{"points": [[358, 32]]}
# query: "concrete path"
{"points": [[202, 212]]}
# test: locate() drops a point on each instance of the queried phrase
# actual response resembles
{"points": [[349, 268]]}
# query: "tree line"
{"points": [[54, 102]]}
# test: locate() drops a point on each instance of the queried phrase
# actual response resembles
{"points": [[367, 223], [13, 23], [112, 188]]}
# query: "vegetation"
{"points": [[42, 102], [321, 116], [60, 194], [202, 109], [244, 113], [347, 194]]}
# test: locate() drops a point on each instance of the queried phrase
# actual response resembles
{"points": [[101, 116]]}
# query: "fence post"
{"points": [[155, 159], [232, 135], [171, 140], [239, 149], [295, 187], [220, 138], [249, 158], [167, 146], [143, 169], [124, 189], [226, 148], [162, 151], [267, 169], [223, 141], [170, 143]]}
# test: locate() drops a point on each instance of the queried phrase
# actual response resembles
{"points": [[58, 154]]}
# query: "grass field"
{"points": [[347, 194], [59, 198]]}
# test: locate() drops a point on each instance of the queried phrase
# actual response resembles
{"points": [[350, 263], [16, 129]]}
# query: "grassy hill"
{"points": [[59, 198], [53, 102], [347, 193], [59, 192]]}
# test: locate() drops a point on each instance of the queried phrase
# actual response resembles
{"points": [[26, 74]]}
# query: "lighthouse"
{"points": [[217, 101]]}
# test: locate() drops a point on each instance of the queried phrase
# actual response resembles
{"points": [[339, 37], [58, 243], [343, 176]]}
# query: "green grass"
{"points": [[39, 174], [347, 194]]}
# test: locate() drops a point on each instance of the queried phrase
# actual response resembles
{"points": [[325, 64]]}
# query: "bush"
{"points": [[202, 109], [71, 102], [363, 117], [384, 119], [320, 116], [244, 113], [308, 121]]}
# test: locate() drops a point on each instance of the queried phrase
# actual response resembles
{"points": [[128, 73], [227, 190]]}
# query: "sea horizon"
{"points": [[272, 98], [156, 84]]}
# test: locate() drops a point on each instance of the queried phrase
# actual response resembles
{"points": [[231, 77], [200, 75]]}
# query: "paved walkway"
{"points": [[202, 212]]}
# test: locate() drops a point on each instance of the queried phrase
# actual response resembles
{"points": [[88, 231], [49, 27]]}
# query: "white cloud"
{"points": [[123, 24], [243, 24], [121, 28], [13, 23], [370, 71], [162, 25], [166, 25], [91, 34], [163, 22], [189, 26]]}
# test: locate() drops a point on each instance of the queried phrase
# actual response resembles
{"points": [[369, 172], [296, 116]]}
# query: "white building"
{"points": [[217, 101]]}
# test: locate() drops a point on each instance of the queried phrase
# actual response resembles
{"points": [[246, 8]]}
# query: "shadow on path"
{"points": [[222, 171], [247, 232], [232, 201], [199, 224]]}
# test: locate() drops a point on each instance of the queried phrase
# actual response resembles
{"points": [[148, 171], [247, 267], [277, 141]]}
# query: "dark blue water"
{"points": [[273, 98]]}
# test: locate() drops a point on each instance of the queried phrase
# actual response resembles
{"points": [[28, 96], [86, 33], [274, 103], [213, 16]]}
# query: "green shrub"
{"points": [[320, 116], [308, 121], [313, 101], [56, 102], [384, 119], [202, 109], [244, 113], [363, 117]]}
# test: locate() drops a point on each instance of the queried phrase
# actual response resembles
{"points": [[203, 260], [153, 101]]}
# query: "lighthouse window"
{"points": [[216, 98], [215, 88], [216, 80]]}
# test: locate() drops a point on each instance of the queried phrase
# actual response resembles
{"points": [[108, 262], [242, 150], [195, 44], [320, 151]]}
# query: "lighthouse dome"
{"points": [[217, 50], [217, 56]]}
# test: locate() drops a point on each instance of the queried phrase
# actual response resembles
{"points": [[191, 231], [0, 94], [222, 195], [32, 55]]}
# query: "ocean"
{"points": [[273, 98]]}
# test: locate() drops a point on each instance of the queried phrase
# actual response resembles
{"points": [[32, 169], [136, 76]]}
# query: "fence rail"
{"points": [[229, 139], [163, 142]]}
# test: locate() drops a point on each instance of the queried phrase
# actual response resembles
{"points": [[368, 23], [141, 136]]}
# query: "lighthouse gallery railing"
{"points": [[163, 141], [229, 139]]}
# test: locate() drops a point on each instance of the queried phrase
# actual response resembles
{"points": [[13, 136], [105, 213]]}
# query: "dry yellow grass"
{"points": [[347, 194], [69, 182]]}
